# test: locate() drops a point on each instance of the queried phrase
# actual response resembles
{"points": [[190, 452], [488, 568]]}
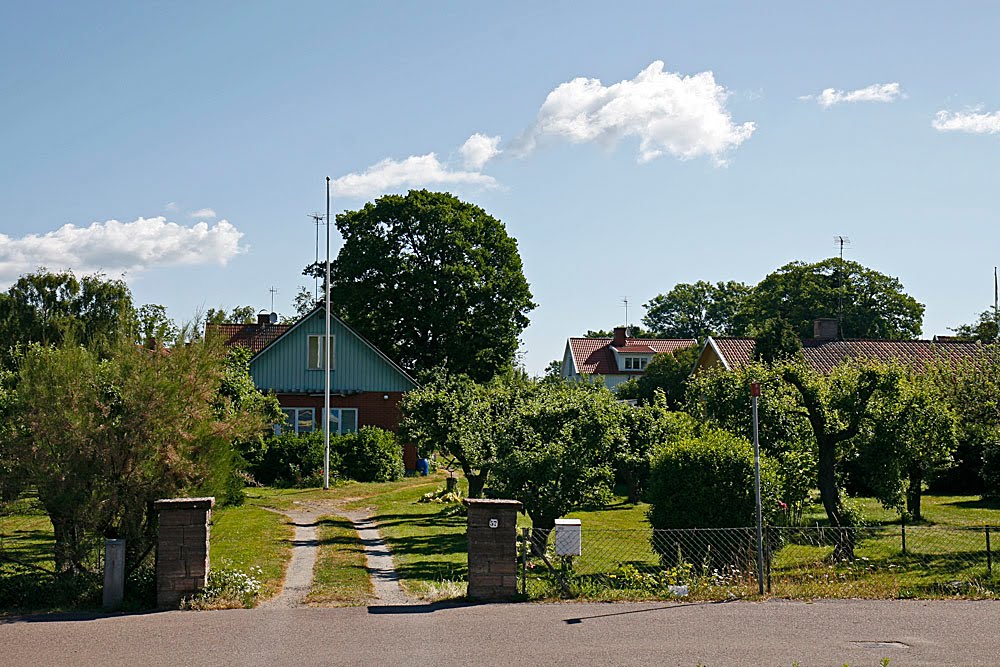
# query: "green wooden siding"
{"points": [[356, 366]]}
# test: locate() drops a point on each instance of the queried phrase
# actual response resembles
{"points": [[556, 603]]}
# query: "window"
{"points": [[297, 420], [343, 420], [317, 353], [636, 363]]}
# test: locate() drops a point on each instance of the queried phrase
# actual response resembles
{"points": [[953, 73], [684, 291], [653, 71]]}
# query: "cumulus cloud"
{"points": [[973, 122], [877, 92], [683, 116], [478, 150], [413, 172], [203, 214], [116, 247]]}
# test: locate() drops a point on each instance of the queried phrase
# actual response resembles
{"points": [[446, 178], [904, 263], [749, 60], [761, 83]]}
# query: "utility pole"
{"points": [[326, 353], [754, 395]]}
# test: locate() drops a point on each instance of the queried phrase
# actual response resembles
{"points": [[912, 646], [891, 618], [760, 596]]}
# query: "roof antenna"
{"points": [[319, 219], [273, 291], [841, 241], [625, 301]]}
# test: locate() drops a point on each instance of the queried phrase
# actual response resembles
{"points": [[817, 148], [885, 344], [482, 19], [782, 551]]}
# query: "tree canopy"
{"points": [[874, 304], [431, 281], [49, 308], [698, 310]]}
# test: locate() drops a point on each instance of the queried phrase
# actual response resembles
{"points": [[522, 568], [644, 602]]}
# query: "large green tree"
{"points": [[667, 373], [874, 304], [432, 281], [698, 310], [985, 329], [49, 308]]}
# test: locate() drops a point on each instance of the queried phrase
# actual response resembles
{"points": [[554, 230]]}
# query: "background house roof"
{"points": [[596, 356], [254, 337], [823, 355]]}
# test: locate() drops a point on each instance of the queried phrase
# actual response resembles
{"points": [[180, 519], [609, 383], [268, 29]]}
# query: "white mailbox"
{"points": [[569, 537]]}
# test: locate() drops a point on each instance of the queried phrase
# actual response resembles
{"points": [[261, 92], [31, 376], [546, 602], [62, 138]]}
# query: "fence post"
{"points": [[525, 532], [769, 557], [902, 523], [989, 553]]}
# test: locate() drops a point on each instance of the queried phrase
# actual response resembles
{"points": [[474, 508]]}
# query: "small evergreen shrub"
{"points": [[370, 455], [708, 482]]}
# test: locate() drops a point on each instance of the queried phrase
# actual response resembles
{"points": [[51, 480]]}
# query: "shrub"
{"points": [[370, 455], [990, 471], [708, 482], [292, 460]]}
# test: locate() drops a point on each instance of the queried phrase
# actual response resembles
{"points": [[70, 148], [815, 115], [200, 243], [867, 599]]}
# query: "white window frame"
{"points": [[635, 363], [291, 422], [319, 348], [340, 420]]}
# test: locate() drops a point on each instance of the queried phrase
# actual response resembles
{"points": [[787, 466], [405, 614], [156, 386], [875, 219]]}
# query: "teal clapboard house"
{"points": [[365, 385]]}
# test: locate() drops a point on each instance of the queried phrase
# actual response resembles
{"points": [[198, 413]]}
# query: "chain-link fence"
{"points": [[719, 563]]}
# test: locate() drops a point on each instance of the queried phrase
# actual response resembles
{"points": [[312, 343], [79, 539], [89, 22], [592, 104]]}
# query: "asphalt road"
{"points": [[832, 632]]}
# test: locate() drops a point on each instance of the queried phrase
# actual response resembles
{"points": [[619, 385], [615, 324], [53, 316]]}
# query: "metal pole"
{"points": [[326, 353], [525, 545], [989, 553], [755, 393]]}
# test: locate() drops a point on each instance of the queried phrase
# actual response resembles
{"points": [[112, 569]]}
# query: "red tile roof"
{"points": [[254, 337], [596, 356], [823, 355]]}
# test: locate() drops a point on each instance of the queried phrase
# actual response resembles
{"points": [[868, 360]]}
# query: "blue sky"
{"points": [[207, 130]]}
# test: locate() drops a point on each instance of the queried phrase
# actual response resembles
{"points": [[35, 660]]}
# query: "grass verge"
{"points": [[340, 578], [248, 536]]}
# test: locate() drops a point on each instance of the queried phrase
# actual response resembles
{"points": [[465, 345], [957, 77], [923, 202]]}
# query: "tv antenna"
{"points": [[625, 301], [319, 219], [273, 291], [841, 241]]}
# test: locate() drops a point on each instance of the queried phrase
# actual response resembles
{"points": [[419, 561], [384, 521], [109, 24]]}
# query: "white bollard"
{"points": [[114, 574]]}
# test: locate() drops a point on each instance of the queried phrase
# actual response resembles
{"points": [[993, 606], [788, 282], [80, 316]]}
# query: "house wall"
{"points": [[373, 408], [356, 366]]}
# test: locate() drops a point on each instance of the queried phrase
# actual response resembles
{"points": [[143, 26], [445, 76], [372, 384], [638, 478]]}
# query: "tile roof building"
{"points": [[824, 352], [615, 359]]}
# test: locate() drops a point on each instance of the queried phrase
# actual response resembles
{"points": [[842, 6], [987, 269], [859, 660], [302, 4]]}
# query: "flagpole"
{"points": [[326, 353]]}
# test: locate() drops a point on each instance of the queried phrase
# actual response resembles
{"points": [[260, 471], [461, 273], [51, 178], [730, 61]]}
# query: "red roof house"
{"points": [[615, 359]]}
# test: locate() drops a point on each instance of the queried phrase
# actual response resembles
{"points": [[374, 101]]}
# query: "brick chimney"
{"points": [[825, 328], [620, 337]]}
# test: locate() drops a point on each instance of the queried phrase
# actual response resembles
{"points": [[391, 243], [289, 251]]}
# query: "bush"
{"points": [[708, 482], [292, 460], [990, 471], [370, 455]]}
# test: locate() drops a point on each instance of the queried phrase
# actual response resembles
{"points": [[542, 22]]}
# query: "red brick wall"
{"points": [[373, 409]]}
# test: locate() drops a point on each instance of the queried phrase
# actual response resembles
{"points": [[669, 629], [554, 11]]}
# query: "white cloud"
{"points": [[684, 116], [116, 247], [973, 122], [172, 207], [413, 172], [478, 150], [877, 92], [203, 214]]}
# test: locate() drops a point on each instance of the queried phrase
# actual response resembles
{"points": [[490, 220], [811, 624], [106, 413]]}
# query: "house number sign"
{"points": [[494, 523]]}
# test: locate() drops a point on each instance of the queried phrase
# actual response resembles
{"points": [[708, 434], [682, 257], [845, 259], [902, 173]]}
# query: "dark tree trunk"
{"points": [[476, 483], [68, 552], [915, 492], [830, 496], [541, 527]]}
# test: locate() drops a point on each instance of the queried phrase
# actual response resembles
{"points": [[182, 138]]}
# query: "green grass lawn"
{"points": [[339, 576], [248, 536]]}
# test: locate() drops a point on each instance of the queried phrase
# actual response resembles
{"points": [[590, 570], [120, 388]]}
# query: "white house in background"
{"points": [[615, 359]]}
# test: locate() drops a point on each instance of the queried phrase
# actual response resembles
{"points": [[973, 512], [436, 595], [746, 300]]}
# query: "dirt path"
{"points": [[305, 544]]}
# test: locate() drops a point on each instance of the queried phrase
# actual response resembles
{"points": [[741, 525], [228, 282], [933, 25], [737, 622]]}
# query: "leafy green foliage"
{"points": [[292, 460], [874, 304], [560, 451], [101, 439], [50, 308], [911, 435], [633, 332], [776, 341], [464, 420], [431, 281], [708, 482], [667, 373], [698, 310], [153, 326], [238, 315], [647, 427], [370, 455], [985, 330]]}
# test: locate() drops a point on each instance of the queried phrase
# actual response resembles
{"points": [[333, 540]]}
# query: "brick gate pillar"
{"points": [[181, 548], [492, 532]]}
